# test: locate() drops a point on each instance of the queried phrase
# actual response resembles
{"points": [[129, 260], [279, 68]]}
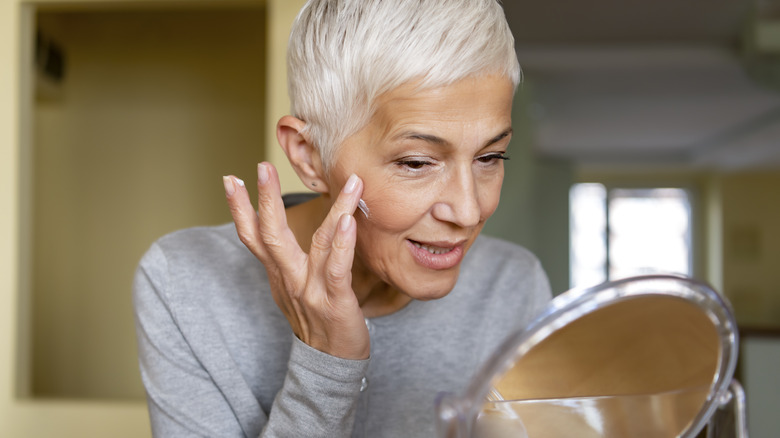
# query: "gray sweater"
{"points": [[219, 359]]}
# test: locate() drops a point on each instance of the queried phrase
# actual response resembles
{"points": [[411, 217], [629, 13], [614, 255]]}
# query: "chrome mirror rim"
{"points": [[579, 302]]}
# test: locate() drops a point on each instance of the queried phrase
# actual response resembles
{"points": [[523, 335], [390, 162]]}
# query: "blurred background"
{"points": [[647, 139]]}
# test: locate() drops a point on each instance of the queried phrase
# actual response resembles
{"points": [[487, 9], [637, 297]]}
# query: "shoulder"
{"points": [[200, 252], [202, 264], [202, 244]]}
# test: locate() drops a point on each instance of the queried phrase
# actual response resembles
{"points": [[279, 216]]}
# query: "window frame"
{"points": [[697, 224]]}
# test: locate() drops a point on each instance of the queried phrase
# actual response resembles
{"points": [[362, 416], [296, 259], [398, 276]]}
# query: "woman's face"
{"points": [[431, 163]]}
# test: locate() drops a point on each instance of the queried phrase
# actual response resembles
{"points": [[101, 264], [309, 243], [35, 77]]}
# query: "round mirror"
{"points": [[645, 356]]}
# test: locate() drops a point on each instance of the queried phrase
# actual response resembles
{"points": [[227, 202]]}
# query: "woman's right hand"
{"points": [[314, 290]]}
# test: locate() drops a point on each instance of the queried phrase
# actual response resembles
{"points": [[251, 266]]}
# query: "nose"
{"points": [[458, 201]]}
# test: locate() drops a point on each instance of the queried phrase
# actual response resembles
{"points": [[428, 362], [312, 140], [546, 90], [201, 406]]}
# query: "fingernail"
{"points": [[344, 222], [262, 173], [351, 184], [229, 187], [230, 184]]}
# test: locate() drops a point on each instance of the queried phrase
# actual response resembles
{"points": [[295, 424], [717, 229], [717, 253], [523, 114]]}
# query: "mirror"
{"points": [[646, 356]]}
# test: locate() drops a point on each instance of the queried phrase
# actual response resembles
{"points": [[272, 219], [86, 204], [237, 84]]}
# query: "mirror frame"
{"points": [[460, 412]]}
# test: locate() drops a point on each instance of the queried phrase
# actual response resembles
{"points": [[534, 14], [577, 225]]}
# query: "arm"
{"points": [[189, 396], [183, 399]]}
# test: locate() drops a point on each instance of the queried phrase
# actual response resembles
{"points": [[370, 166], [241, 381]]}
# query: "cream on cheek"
{"points": [[393, 208]]}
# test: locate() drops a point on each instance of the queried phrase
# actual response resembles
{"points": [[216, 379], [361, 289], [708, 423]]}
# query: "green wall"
{"points": [[534, 208]]}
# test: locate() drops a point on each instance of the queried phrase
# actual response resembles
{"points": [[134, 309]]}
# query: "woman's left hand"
{"points": [[314, 290]]}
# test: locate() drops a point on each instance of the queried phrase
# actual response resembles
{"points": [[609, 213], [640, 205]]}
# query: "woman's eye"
{"points": [[414, 164], [494, 157]]}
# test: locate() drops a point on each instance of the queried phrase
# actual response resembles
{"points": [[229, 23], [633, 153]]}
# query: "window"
{"points": [[621, 232]]}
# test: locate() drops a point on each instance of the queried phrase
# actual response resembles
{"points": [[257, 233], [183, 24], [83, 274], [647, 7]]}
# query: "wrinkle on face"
{"points": [[452, 126]]}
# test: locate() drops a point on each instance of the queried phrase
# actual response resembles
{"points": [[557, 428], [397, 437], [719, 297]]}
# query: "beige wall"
{"points": [[281, 14], [22, 416], [751, 246], [534, 207], [155, 108]]}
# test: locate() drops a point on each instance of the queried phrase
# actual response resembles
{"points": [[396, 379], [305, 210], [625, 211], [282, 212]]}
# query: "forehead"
{"points": [[465, 116], [481, 103]]}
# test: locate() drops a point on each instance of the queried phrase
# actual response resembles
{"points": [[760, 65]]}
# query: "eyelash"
{"points": [[416, 165], [413, 164], [487, 159]]}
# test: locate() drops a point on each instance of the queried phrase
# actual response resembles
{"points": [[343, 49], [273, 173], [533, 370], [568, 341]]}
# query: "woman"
{"points": [[338, 321]]}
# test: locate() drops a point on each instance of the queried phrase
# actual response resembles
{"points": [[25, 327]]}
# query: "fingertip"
{"points": [[229, 187], [352, 183], [231, 184]]}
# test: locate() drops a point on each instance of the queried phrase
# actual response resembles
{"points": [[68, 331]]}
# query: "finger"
{"points": [[338, 269], [346, 203], [276, 237], [244, 215]]}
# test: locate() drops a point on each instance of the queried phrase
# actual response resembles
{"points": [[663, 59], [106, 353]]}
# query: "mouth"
{"points": [[437, 255], [432, 248]]}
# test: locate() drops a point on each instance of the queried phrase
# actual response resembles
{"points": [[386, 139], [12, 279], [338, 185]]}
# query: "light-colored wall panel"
{"points": [[21, 416], [760, 362], [9, 205], [155, 107], [281, 14], [751, 246]]}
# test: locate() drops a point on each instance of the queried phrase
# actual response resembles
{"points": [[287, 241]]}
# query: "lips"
{"points": [[436, 255]]}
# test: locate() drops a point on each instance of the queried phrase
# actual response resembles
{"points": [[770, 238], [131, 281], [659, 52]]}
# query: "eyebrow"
{"points": [[429, 138], [499, 137]]}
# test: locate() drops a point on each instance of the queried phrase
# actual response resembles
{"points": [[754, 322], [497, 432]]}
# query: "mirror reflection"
{"points": [[639, 367]]}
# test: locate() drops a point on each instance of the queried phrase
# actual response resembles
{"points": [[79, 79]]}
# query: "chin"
{"points": [[427, 289]]}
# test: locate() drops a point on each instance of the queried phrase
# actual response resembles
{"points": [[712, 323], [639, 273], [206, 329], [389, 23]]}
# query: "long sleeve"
{"points": [[316, 400], [218, 358], [195, 370]]}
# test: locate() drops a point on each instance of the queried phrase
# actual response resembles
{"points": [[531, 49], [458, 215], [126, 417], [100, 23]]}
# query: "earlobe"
{"points": [[302, 154]]}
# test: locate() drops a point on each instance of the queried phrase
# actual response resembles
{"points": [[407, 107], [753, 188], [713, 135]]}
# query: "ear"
{"points": [[302, 154]]}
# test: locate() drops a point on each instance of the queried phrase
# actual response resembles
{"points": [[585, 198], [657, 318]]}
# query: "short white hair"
{"points": [[344, 54]]}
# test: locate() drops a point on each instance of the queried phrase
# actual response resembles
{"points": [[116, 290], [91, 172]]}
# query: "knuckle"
{"points": [[247, 237], [309, 301], [271, 240], [235, 210], [341, 245], [320, 240], [265, 199], [336, 276]]}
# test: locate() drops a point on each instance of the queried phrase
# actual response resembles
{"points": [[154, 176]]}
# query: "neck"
{"points": [[376, 298]]}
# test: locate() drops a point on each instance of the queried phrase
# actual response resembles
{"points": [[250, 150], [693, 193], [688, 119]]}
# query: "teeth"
{"points": [[431, 249]]}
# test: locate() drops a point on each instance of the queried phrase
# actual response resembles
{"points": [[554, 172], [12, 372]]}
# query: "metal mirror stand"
{"points": [[730, 419]]}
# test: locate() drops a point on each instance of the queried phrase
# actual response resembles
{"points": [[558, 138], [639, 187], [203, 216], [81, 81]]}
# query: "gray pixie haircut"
{"points": [[344, 54]]}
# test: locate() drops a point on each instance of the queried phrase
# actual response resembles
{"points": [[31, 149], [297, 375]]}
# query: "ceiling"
{"points": [[637, 81]]}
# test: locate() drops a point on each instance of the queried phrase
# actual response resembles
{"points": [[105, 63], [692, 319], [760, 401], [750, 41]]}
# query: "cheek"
{"points": [[392, 209]]}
